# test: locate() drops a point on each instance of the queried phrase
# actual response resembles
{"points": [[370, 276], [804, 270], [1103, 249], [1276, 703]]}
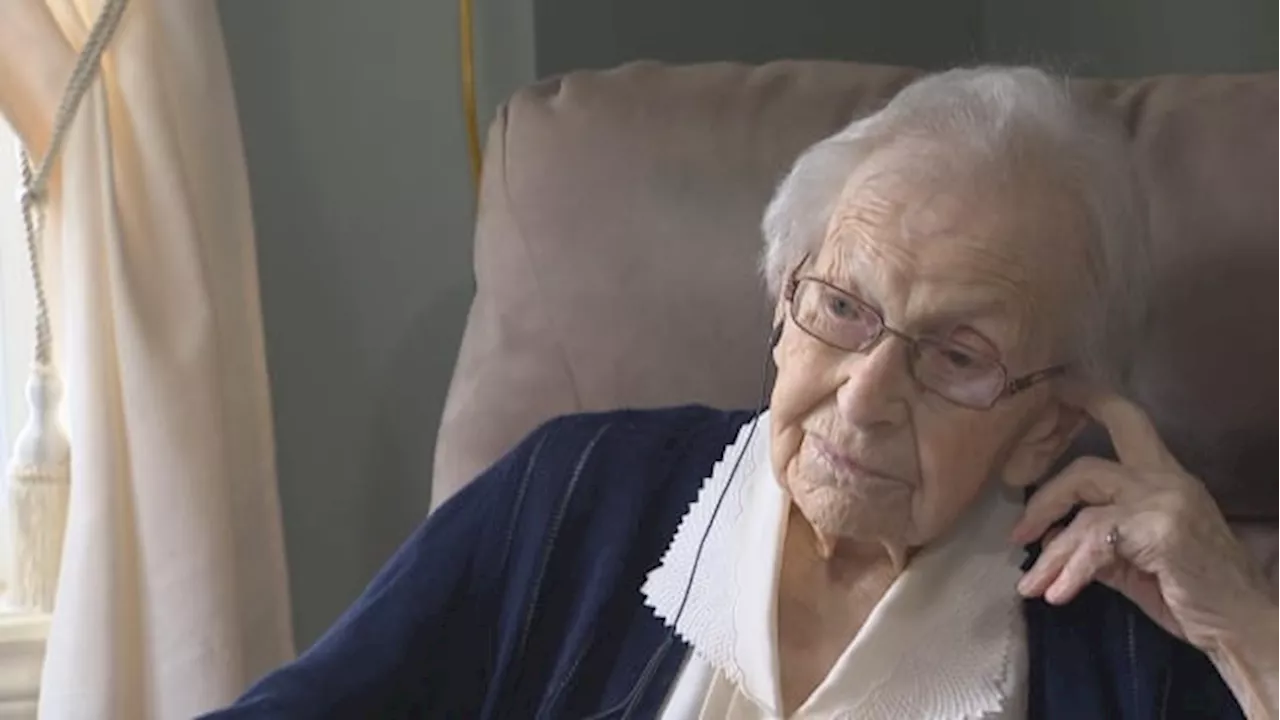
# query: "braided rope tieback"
{"points": [[35, 179], [32, 220]]}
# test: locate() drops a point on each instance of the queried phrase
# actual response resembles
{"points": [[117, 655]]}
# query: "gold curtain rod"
{"points": [[469, 88]]}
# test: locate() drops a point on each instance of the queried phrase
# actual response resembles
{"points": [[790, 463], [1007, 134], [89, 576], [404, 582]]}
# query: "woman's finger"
{"points": [[1093, 556], [1055, 552], [1087, 480], [1133, 435], [1052, 558]]}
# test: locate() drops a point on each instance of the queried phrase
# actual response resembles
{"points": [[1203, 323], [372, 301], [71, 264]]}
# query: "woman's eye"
{"points": [[842, 308], [959, 359]]}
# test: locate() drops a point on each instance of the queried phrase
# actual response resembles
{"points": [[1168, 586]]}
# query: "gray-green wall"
{"points": [[603, 33], [1112, 37], [363, 207], [1133, 37]]}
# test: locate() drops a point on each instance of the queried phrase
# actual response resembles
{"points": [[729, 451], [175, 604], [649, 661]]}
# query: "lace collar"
{"points": [[946, 641]]}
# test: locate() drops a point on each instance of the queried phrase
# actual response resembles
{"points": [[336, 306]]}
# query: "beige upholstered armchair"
{"points": [[617, 242]]}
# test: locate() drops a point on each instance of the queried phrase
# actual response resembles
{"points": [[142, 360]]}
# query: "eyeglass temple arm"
{"points": [[1016, 386]]}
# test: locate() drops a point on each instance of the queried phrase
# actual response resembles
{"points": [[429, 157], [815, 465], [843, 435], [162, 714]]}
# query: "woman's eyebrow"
{"points": [[842, 280], [975, 301], [972, 315], [967, 311]]}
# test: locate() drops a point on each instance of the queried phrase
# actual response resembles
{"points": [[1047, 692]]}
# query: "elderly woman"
{"points": [[959, 278]]}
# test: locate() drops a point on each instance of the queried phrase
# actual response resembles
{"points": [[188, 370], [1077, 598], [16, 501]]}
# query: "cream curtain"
{"points": [[173, 593]]}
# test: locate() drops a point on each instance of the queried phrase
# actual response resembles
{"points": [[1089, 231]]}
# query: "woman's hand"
{"points": [[1151, 531]]}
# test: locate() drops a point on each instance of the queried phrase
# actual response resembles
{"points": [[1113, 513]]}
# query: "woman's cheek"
{"points": [[784, 449]]}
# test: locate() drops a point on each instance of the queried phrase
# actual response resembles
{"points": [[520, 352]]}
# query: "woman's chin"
{"points": [[836, 513]]}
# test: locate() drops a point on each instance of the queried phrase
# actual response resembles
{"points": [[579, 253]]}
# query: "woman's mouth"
{"points": [[850, 468]]}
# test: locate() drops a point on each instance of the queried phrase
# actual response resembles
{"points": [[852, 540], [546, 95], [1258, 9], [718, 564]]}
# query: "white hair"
{"points": [[998, 117]]}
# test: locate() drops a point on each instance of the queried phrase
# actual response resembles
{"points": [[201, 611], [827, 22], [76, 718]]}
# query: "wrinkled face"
{"points": [[864, 450]]}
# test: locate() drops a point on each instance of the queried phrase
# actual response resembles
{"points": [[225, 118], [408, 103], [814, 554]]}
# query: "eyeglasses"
{"points": [[958, 374]]}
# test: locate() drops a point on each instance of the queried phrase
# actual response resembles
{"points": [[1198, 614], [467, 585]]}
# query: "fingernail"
{"points": [[1024, 585]]}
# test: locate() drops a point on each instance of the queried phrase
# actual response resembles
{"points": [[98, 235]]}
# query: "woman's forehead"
{"points": [[959, 230], [933, 236]]}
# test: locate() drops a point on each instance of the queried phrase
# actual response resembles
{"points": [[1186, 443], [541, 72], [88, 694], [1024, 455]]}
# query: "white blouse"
{"points": [[947, 641]]}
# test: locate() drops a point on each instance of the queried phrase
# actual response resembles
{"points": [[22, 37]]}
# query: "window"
{"points": [[21, 636]]}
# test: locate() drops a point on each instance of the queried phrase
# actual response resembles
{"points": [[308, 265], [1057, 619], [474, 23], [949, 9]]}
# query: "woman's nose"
{"points": [[877, 384]]}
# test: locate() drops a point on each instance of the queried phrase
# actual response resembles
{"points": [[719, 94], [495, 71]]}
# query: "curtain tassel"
{"points": [[39, 476], [38, 488], [38, 482]]}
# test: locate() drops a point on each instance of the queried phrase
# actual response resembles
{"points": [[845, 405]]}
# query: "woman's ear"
{"points": [[1048, 436], [779, 323]]}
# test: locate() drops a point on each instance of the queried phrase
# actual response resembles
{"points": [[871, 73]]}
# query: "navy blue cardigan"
{"points": [[520, 598]]}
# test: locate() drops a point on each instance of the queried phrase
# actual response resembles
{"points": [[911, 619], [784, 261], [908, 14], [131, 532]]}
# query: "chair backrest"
{"points": [[618, 238]]}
